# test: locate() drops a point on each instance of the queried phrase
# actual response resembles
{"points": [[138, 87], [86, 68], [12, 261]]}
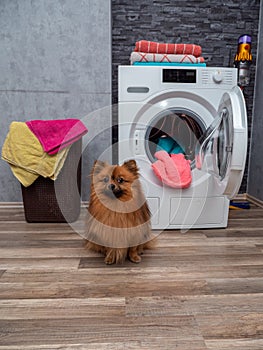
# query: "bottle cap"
{"points": [[245, 38]]}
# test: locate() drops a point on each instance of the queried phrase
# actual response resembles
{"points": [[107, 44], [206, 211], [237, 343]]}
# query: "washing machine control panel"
{"points": [[137, 83], [179, 76]]}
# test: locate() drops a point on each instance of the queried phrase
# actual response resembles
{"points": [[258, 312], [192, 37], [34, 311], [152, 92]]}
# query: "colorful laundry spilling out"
{"points": [[40, 147]]}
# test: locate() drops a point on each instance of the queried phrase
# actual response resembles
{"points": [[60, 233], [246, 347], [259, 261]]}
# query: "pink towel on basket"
{"points": [[174, 170], [55, 135]]}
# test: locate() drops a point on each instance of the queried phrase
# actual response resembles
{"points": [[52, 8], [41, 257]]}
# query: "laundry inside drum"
{"points": [[174, 131]]}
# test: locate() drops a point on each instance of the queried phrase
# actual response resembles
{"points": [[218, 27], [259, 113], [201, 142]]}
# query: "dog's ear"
{"points": [[131, 165], [98, 166]]}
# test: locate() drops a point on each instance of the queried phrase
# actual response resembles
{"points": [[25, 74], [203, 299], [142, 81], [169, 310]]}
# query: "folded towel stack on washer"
{"points": [[150, 52]]}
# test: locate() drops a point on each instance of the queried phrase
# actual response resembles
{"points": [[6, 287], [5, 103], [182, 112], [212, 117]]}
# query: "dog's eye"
{"points": [[106, 179], [120, 180]]}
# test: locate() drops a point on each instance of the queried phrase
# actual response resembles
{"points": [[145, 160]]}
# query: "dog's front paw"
{"points": [[109, 260], [133, 256], [110, 257], [136, 259]]}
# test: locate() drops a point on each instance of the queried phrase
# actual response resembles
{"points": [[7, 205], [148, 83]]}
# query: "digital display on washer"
{"points": [[179, 76]]}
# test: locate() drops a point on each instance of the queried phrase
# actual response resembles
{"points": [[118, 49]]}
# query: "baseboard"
{"points": [[11, 204], [240, 197], [20, 204], [249, 198], [254, 200]]}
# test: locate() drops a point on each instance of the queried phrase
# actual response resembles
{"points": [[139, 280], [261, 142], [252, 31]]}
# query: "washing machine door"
{"points": [[222, 149]]}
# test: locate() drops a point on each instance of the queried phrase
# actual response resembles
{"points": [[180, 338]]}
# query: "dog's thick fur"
{"points": [[118, 223]]}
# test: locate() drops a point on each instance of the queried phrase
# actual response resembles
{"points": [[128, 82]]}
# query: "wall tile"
{"points": [[55, 46], [255, 179]]}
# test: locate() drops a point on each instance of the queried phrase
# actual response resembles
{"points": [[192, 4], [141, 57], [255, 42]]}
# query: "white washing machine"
{"points": [[203, 111]]}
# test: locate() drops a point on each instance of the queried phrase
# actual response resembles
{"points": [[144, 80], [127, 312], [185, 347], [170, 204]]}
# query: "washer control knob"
{"points": [[218, 76]]}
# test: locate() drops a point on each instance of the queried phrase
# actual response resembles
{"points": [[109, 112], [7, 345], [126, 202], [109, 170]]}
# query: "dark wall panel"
{"points": [[255, 174]]}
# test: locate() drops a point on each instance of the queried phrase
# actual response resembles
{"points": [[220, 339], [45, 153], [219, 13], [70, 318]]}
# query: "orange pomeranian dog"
{"points": [[118, 221]]}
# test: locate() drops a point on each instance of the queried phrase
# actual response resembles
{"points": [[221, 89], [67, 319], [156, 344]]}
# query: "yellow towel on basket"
{"points": [[26, 157]]}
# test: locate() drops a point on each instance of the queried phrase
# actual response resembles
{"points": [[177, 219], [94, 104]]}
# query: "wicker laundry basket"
{"points": [[56, 201]]}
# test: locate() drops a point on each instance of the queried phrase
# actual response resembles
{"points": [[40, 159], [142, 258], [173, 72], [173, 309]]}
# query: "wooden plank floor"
{"points": [[198, 290]]}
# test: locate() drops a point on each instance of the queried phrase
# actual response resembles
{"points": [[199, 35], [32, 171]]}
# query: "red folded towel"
{"points": [[174, 170], [55, 135], [155, 47]]}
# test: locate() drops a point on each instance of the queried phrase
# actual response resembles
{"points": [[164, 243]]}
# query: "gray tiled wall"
{"points": [[213, 24], [55, 63], [255, 175]]}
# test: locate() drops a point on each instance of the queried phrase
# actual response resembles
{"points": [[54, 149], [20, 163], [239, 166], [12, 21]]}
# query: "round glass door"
{"points": [[174, 131]]}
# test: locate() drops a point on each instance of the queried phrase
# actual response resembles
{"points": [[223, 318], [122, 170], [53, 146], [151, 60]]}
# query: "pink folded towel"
{"points": [[174, 170], [55, 135]]}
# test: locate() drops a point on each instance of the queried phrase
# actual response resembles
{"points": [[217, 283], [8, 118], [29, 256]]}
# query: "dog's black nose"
{"points": [[111, 187]]}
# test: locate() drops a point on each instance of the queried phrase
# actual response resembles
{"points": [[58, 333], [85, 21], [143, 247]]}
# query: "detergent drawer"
{"points": [[198, 211]]}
